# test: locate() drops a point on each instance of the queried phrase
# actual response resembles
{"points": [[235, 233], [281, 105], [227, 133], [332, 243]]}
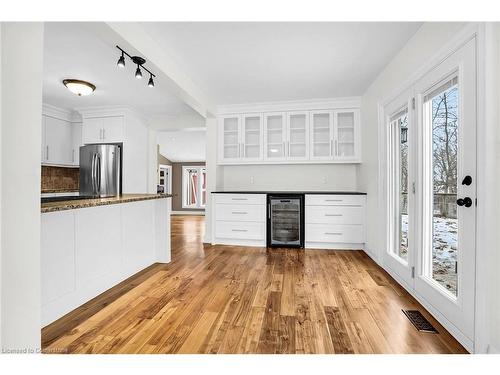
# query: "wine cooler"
{"points": [[285, 220]]}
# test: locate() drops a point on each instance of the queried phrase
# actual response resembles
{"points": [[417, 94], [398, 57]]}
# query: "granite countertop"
{"points": [[85, 203], [53, 191], [292, 192]]}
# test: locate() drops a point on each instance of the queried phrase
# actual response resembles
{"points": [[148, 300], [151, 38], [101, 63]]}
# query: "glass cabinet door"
{"points": [[252, 137], [298, 135], [321, 135], [345, 135], [231, 137], [274, 135]]}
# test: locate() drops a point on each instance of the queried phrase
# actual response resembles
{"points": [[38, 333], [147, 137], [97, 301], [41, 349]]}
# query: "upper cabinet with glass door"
{"points": [[274, 136], [319, 136], [230, 138], [346, 135]]}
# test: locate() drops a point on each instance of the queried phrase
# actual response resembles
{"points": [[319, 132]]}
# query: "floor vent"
{"points": [[419, 321]]}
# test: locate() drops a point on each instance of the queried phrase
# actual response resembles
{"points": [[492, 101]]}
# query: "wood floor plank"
{"points": [[234, 299]]}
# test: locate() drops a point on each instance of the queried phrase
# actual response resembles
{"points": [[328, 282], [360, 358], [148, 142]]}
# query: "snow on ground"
{"points": [[445, 250]]}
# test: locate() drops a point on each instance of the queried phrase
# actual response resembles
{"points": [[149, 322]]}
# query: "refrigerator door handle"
{"points": [[93, 174], [98, 170]]}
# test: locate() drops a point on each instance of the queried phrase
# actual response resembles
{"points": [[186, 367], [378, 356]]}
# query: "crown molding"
{"points": [[60, 113], [291, 105], [109, 111]]}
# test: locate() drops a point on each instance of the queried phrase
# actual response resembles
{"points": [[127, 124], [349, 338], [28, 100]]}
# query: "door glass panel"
{"points": [[252, 137], [321, 134], [194, 192], [345, 134], [297, 135], [441, 105], [231, 138], [400, 182], [275, 144]]}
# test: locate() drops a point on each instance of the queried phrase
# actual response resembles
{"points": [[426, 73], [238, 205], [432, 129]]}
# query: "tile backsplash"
{"points": [[59, 179]]}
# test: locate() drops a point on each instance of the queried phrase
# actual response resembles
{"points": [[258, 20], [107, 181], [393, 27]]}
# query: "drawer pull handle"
{"points": [[239, 199], [239, 213], [334, 200], [334, 215], [333, 233], [239, 230]]}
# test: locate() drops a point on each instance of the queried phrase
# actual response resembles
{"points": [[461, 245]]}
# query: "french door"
{"points": [[432, 189]]}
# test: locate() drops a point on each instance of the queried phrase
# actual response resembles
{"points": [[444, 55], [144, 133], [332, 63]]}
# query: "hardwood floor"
{"points": [[226, 299]]}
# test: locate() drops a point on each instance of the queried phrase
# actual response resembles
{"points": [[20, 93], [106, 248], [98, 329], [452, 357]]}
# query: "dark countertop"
{"points": [[292, 192], [85, 203]]}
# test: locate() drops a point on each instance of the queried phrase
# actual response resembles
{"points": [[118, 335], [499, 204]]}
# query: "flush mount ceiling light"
{"points": [[139, 61], [79, 87]]}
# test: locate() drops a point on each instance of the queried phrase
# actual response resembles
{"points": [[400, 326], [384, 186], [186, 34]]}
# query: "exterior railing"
{"points": [[445, 204]]}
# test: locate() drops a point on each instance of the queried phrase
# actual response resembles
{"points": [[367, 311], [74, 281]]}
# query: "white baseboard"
{"points": [[202, 213]]}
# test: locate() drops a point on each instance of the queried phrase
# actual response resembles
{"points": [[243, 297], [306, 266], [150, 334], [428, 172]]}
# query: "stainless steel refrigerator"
{"points": [[100, 170]]}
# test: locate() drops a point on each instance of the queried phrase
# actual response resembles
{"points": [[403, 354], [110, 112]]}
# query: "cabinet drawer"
{"points": [[335, 215], [334, 200], [335, 233], [240, 212], [240, 199], [240, 230]]}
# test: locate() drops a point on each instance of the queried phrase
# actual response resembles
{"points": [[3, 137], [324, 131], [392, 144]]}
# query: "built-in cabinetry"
{"points": [[103, 130], [61, 137], [89, 250], [240, 219], [299, 136], [335, 221], [332, 221]]}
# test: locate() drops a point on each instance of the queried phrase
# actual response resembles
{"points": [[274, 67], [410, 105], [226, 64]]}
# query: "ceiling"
{"points": [[185, 145], [74, 50], [257, 62]]}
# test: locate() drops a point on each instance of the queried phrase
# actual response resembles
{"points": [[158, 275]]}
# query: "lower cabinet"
{"points": [[240, 219], [335, 221], [332, 221], [87, 251]]}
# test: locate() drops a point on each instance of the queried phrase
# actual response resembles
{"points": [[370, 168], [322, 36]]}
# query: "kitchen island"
{"points": [[90, 245]]}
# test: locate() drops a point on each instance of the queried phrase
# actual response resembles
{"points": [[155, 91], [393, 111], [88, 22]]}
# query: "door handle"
{"points": [[467, 202], [467, 180]]}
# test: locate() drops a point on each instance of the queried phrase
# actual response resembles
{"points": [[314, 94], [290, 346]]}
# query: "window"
{"points": [[194, 187], [399, 182]]}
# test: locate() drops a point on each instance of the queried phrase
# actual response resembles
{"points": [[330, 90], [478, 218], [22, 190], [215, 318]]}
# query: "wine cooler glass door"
{"points": [[285, 222]]}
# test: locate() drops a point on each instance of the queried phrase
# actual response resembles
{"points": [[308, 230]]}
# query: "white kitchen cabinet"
{"points": [[239, 219], [58, 255], [271, 134], [230, 138], [275, 136], [346, 135], [335, 221], [251, 141], [297, 129], [240, 138], [321, 136], [58, 147], [103, 130]]}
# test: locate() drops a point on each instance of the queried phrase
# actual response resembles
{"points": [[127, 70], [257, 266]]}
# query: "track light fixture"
{"points": [[138, 73], [121, 61], [139, 61]]}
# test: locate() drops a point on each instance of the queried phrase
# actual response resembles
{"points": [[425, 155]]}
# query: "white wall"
{"points": [[290, 177], [183, 145], [421, 47], [21, 103], [136, 156]]}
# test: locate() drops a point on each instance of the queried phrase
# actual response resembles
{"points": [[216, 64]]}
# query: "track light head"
{"points": [[121, 61], [151, 83], [138, 73]]}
